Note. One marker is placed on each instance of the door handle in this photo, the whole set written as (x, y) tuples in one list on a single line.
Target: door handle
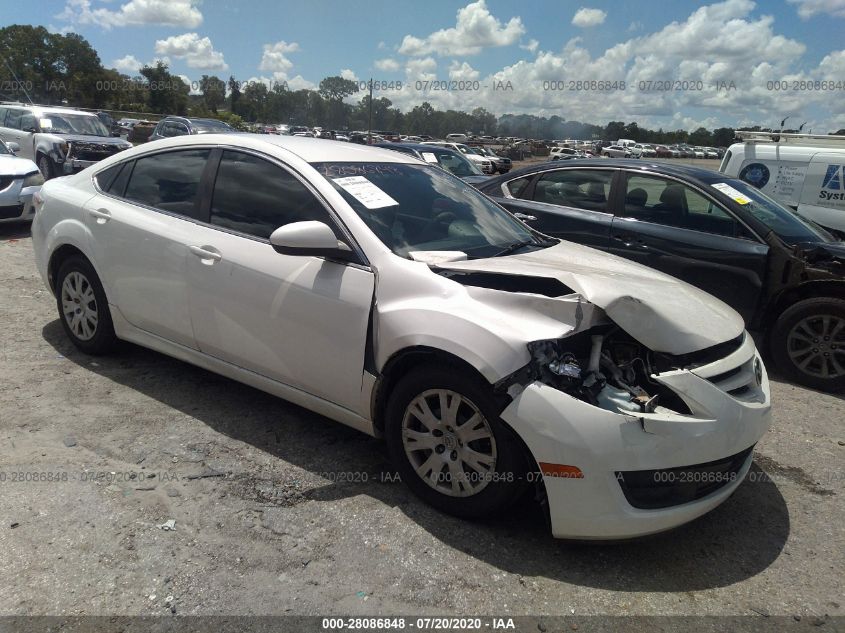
[(102, 215), (524, 217), (631, 241), (205, 253)]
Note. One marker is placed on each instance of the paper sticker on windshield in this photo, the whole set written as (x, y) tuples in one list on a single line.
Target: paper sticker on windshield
[(731, 193), (429, 157), (366, 192)]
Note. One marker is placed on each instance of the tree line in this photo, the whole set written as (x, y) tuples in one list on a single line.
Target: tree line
[(52, 68)]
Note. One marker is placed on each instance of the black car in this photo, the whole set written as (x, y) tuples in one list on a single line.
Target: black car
[(181, 126), (450, 160), (782, 273)]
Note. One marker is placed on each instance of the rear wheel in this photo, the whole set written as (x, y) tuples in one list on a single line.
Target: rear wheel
[(446, 440), (808, 343), (83, 308)]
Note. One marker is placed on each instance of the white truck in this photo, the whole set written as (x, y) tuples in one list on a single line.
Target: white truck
[(803, 171)]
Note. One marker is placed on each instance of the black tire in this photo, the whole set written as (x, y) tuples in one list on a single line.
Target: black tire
[(805, 320), (103, 339), (502, 485), (46, 166)]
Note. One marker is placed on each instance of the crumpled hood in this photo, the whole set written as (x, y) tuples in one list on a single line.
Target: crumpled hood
[(15, 166), (661, 312), (84, 138)]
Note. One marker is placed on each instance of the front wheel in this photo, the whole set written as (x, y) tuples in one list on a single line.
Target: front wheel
[(46, 166), (808, 343), (83, 307), (446, 440)]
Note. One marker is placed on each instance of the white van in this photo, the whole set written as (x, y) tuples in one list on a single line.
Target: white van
[(625, 142), (803, 171), (456, 138)]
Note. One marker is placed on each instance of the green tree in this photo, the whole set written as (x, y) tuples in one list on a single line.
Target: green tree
[(213, 91), (168, 94)]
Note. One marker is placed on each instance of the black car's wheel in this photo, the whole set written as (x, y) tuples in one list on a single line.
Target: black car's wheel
[(83, 307), (808, 343), (46, 166), (446, 440)]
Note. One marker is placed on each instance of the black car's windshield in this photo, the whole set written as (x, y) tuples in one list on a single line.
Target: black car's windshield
[(787, 225), (422, 208), (61, 123)]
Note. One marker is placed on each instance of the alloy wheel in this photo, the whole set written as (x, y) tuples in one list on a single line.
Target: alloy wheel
[(449, 443), (816, 345), (79, 306)]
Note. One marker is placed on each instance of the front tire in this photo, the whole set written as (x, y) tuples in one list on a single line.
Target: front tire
[(46, 166), (83, 307), (808, 343), (446, 440)]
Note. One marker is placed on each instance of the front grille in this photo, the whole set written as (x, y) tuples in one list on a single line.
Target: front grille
[(653, 489), (6, 181), (92, 151), (7, 213)]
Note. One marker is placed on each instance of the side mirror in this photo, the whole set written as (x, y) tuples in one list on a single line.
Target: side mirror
[(31, 129), (309, 238), (13, 147)]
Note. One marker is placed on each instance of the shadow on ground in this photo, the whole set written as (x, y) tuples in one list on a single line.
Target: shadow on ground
[(736, 541)]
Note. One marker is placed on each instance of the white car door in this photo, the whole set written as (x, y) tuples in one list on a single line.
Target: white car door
[(141, 227), (300, 320)]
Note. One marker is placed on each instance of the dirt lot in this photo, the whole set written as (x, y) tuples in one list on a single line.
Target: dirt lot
[(267, 522)]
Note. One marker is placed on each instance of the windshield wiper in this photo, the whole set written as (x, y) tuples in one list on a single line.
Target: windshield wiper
[(510, 248)]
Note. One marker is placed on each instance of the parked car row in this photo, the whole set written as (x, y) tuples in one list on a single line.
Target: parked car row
[(494, 359)]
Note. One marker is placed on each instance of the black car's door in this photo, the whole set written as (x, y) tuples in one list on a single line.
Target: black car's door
[(570, 203), (679, 229)]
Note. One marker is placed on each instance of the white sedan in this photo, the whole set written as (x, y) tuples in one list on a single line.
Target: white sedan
[(387, 294), (616, 151), (19, 180)]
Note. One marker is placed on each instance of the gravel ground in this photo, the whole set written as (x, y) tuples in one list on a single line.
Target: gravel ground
[(267, 523)]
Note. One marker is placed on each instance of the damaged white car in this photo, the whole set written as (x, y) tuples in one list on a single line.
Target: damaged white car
[(387, 294)]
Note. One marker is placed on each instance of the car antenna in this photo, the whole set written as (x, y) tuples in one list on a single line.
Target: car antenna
[(18, 81)]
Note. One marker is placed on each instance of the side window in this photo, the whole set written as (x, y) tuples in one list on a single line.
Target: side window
[(169, 181), (175, 129), (3, 116), (580, 188), (517, 186), (253, 196), (113, 180), (28, 122), (667, 202), (13, 118)]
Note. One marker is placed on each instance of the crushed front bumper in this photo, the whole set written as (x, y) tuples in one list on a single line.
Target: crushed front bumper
[(16, 202), (73, 165), (726, 421)]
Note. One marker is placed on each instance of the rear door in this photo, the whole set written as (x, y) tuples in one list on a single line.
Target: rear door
[(673, 227), (570, 203), (141, 226)]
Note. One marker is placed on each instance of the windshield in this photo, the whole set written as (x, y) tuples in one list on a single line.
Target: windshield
[(207, 127), (4, 149), (787, 225), (62, 123), (454, 163), (421, 208)]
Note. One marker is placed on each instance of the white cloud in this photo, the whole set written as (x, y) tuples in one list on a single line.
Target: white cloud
[(178, 13), (346, 73), (387, 64), (300, 83), (193, 87), (274, 59), (462, 72), (531, 46), (197, 51), (809, 8), (421, 69), (127, 64), (476, 29), (585, 17)]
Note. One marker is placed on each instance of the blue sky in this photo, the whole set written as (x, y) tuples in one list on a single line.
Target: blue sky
[(739, 45)]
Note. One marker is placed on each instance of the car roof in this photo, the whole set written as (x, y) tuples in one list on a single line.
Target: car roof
[(420, 147), (311, 150), (682, 171)]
